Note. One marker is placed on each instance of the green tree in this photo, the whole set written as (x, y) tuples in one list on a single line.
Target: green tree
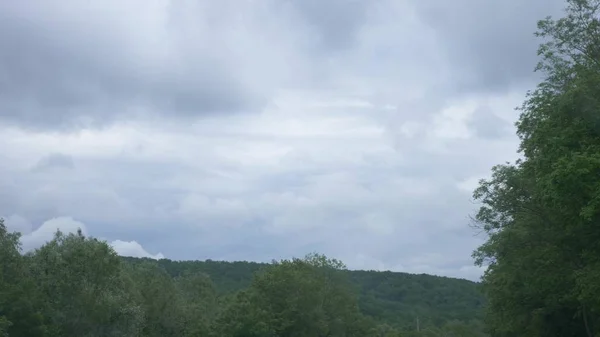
[(298, 297), (245, 316), (4, 326), (461, 329), (200, 301), (541, 213), (20, 309), (78, 286), (84, 289), (160, 300)]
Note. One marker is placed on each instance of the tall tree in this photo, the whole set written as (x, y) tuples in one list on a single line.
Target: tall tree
[(82, 283), (541, 213)]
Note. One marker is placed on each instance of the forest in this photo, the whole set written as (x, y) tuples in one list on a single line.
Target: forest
[(78, 286), (540, 216)]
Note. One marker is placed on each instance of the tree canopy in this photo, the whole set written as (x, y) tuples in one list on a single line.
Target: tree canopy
[(541, 213)]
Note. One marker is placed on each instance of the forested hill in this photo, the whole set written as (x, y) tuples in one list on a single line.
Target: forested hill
[(79, 286), (389, 297)]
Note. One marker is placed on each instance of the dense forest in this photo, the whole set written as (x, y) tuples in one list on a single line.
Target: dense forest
[(394, 298), (540, 215), (78, 286)]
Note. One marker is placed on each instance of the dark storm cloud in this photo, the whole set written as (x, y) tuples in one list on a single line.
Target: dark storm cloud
[(61, 72), (491, 43), (56, 74), (75, 67)]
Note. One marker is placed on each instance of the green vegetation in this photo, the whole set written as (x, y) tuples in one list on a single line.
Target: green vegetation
[(78, 286), (541, 213), (392, 298)]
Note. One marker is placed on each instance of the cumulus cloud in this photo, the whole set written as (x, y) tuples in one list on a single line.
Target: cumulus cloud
[(33, 239), (247, 130), (132, 248)]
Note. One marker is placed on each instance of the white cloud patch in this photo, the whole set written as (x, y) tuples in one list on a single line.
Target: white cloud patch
[(134, 249), (33, 239), (45, 232)]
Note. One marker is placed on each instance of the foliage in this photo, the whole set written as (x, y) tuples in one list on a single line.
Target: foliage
[(78, 286), (300, 297), (387, 297), (20, 308), (82, 284), (541, 213)]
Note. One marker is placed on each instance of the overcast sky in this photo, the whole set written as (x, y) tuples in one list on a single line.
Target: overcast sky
[(261, 129)]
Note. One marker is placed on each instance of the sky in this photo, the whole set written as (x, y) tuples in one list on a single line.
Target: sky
[(262, 129)]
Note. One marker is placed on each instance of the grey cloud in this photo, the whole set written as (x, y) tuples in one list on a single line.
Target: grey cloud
[(479, 154), (336, 23), (59, 72), (8, 193), (327, 211), (85, 67), (486, 124), (17, 223), (54, 161), (490, 43), (218, 191)]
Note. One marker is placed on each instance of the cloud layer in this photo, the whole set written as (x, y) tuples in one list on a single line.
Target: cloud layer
[(262, 129)]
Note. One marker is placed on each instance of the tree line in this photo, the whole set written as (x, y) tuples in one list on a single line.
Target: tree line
[(78, 286)]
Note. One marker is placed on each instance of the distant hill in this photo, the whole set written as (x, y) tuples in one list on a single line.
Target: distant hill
[(397, 299)]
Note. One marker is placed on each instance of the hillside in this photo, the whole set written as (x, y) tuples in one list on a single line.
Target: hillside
[(389, 297), (75, 283)]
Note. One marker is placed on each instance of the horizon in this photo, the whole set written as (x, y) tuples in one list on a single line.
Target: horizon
[(297, 257)]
